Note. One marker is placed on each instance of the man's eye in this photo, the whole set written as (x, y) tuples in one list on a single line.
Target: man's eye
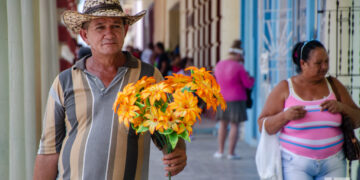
[(100, 27), (117, 26)]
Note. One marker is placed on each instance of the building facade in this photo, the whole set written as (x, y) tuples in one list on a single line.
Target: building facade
[(270, 28)]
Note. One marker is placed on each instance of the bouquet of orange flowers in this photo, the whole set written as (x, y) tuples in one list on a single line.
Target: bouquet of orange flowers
[(168, 109)]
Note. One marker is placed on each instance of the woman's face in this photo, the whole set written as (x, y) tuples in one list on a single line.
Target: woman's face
[(317, 65)]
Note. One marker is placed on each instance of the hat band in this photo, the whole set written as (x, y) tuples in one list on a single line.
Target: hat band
[(103, 7)]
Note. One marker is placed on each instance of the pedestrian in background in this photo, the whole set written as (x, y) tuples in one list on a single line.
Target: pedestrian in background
[(146, 54), (233, 80), (162, 61), (305, 111)]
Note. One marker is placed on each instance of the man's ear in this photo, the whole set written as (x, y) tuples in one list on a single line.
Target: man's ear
[(83, 34)]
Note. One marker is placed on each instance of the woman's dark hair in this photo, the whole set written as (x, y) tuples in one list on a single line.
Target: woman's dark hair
[(302, 50), (236, 44)]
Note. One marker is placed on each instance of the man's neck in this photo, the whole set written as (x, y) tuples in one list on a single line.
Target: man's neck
[(105, 63)]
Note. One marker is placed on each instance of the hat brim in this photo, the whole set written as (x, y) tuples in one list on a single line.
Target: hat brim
[(74, 20)]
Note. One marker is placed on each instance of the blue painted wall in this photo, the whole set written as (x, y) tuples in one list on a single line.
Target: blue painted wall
[(252, 38)]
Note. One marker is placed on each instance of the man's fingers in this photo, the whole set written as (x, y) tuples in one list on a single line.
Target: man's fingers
[(175, 161), (174, 170)]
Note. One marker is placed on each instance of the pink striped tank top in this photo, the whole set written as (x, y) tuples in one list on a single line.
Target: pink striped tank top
[(318, 134)]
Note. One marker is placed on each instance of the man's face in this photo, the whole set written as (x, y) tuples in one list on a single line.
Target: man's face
[(105, 35)]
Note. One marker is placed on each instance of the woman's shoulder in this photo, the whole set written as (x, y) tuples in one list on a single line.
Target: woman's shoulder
[(281, 89)]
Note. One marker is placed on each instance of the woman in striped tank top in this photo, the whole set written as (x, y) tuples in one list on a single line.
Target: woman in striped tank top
[(304, 110)]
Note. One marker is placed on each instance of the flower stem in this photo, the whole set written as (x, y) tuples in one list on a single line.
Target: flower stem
[(169, 150)]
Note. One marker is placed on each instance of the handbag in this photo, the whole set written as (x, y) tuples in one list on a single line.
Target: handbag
[(249, 101), (351, 144), (268, 157)]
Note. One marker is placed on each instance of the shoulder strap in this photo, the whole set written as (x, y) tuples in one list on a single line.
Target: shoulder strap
[(146, 70), (333, 87)]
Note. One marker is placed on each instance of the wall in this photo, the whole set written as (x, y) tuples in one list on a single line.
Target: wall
[(159, 21), (230, 25)]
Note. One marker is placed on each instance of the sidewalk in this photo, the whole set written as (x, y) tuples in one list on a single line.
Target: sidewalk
[(201, 165)]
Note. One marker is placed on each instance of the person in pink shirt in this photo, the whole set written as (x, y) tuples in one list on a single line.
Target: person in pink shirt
[(233, 80), (305, 111)]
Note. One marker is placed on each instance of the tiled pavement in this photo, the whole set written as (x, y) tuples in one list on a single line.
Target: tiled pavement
[(201, 164)]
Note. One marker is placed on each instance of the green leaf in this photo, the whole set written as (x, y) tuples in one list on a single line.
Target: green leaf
[(173, 138), (187, 88), (163, 108), (142, 129), (157, 103), (148, 102), (185, 136), (167, 132), (139, 104), (137, 114)]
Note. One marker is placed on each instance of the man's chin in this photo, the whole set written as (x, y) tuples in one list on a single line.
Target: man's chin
[(111, 51)]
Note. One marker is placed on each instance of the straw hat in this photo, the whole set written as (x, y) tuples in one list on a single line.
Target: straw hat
[(97, 8)]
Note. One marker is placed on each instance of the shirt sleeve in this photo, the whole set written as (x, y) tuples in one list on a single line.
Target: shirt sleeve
[(53, 123), (245, 78)]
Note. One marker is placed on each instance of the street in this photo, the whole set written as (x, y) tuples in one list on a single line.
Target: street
[(202, 166)]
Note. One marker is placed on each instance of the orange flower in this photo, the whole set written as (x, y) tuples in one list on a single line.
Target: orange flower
[(156, 120), (185, 105), (207, 88), (219, 97), (126, 109), (144, 82), (129, 90), (156, 92), (177, 81), (175, 123)]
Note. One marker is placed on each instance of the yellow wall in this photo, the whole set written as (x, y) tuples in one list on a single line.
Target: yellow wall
[(230, 25), (159, 20)]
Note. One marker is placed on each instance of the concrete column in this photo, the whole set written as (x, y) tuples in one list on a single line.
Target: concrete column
[(49, 49), (27, 16), (16, 95), (230, 25), (160, 21), (4, 94)]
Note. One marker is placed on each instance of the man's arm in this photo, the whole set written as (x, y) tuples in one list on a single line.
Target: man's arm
[(176, 161), (46, 166)]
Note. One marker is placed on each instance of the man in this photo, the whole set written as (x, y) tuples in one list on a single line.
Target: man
[(82, 138)]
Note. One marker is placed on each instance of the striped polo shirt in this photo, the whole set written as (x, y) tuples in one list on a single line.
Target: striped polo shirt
[(318, 134), (80, 124)]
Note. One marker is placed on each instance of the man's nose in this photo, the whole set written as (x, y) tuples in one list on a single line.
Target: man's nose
[(109, 31)]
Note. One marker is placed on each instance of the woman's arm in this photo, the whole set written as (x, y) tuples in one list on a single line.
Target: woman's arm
[(246, 79), (273, 110)]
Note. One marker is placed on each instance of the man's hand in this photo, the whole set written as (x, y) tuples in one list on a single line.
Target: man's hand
[(175, 162)]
